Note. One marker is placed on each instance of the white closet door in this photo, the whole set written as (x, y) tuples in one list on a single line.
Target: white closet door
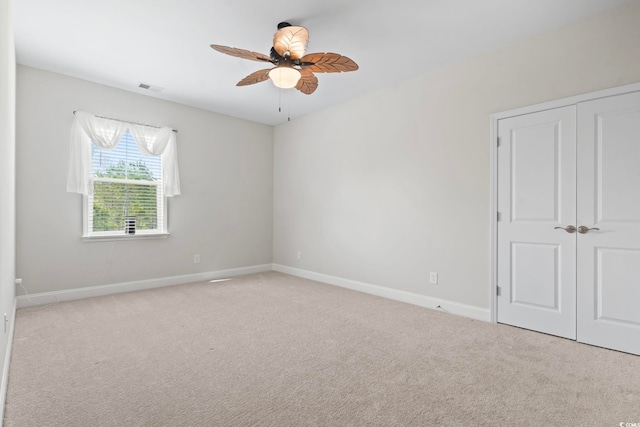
[(536, 196), (609, 199)]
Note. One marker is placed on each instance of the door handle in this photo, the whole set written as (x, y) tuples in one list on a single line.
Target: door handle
[(583, 229), (568, 228)]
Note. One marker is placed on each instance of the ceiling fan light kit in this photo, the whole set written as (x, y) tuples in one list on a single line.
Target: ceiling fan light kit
[(284, 77), (293, 68)]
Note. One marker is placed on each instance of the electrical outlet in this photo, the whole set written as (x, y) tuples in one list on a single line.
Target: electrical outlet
[(196, 259), (299, 255), (433, 278)]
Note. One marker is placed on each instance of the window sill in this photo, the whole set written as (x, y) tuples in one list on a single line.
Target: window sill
[(118, 237)]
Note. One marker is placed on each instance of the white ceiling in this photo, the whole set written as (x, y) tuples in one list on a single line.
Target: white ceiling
[(165, 43)]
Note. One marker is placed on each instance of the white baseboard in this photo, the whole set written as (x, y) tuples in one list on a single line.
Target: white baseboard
[(394, 294), (32, 300), (7, 362)]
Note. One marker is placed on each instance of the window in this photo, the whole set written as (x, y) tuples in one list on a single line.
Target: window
[(128, 192), (125, 172)]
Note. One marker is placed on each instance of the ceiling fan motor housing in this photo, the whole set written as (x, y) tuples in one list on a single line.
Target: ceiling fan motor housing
[(290, 41)]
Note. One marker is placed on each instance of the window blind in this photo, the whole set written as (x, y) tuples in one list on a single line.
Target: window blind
[(128, 193)]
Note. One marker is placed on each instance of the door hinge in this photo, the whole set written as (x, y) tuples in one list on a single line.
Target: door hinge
[(498, 142), (498, 216), (499, 291)]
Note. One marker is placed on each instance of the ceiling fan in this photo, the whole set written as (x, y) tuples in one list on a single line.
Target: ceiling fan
[(292, 67)]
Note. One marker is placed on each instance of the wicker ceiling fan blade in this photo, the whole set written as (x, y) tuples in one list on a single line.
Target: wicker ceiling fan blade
[(241, 53), (308, 83), (255, 77), (328, 63)]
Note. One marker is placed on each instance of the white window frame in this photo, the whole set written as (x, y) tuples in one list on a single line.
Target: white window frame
[(158, 233)]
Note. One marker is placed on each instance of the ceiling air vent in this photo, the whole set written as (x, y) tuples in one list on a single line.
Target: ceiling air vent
[(150, 87)]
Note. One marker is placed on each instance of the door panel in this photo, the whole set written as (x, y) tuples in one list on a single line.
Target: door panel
[(616, 301), (536, 192), (534, 173), (608, 294), (532, 264), (617, 155)]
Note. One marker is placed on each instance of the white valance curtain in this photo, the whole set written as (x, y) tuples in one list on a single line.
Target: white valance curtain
[(106, 134)]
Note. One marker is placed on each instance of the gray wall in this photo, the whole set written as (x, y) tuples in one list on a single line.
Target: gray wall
[(389, 187), (382, 189), (225, 212), (7, 171)]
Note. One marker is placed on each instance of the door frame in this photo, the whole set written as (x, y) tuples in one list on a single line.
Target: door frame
[(493, 167)]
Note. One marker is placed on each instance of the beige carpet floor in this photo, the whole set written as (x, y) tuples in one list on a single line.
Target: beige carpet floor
[(275, 350)]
